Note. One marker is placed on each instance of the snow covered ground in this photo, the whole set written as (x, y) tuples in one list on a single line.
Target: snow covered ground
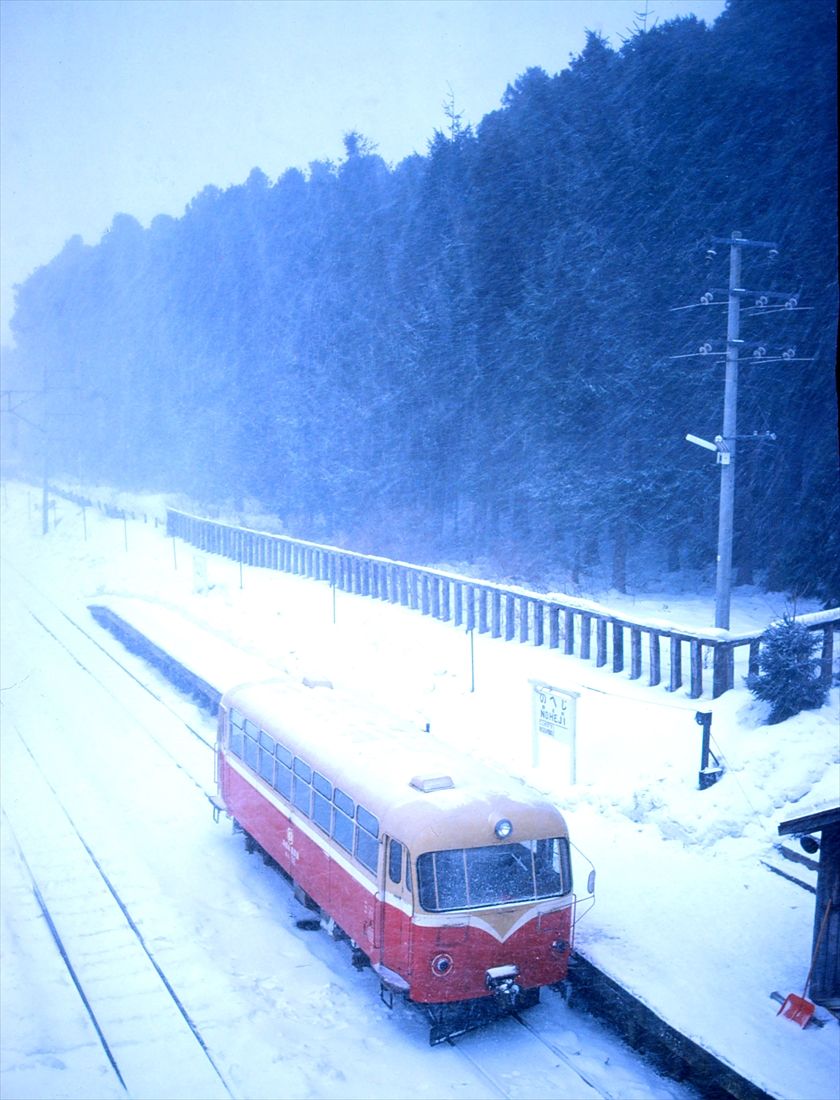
[(686, 914)]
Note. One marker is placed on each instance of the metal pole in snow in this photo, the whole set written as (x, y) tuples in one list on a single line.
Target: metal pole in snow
[(723, 587)]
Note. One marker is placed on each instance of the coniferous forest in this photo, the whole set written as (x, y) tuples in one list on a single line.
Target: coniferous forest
[(478, 355)]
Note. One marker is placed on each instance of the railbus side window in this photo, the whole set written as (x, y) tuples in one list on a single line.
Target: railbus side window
[(552, 866), (252, 735), (266, 757), (395, 853), (367, 838), (301, 789), (236, 736), (322, 801), (283, 771), (342, 829)]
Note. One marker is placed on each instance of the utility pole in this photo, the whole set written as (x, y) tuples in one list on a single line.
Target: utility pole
[(724, 445), (21, 398), (723, 582)]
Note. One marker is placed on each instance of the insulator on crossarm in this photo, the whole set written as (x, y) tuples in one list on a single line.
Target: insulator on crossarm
[(707, 298), (791, 303), (759, 353), (762, 300), (705, 349)]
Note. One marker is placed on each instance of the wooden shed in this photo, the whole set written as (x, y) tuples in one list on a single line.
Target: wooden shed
[(823, 827)]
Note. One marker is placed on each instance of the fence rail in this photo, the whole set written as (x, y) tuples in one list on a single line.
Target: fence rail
[(664, 652)]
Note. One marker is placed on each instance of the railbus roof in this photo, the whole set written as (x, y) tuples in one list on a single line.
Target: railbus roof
[(424, 792)]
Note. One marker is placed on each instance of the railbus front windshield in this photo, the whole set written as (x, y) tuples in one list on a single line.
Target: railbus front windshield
[(499, 874)]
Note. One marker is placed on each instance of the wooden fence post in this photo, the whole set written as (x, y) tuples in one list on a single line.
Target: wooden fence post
[(675, 680), (654, 658), (827, 655), (482, 611), (569, 631), (510, 617), (723, 670), (600, 642), (539, 622), (696, 678), (618, 647), (496, 614), (585, 636), (635, 653), (553, 626), (524, 613), (469, 592)]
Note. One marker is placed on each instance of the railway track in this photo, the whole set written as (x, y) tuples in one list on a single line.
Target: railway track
[(145, 685), (106, 955), (507, 1068), (511, 1067)]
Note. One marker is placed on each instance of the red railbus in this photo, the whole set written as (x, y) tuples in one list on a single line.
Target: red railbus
[(452, 880)]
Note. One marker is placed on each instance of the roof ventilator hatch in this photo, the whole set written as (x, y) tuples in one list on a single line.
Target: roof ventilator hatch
[(429, 783)]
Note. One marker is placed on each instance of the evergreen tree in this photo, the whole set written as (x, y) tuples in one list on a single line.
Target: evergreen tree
[(789, 671), (470, 355)]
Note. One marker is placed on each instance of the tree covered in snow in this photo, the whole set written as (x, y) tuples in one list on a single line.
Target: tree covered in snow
[(789, 671), (470, 355)]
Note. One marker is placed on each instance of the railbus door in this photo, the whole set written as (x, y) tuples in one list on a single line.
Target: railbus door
[(394, 907)]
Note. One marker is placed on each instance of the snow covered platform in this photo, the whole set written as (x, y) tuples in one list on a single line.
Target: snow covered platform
[(687, 940)]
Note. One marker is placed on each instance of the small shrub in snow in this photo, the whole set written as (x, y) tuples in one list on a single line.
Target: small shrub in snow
[(789, 671)]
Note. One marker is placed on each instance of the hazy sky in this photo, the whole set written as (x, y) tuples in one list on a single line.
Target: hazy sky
[(133, 106)]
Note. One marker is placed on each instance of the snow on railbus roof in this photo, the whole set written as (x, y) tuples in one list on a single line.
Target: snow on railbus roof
[(339, 730)]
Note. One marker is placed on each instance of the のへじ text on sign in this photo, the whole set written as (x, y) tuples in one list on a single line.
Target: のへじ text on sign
[(553, 712)]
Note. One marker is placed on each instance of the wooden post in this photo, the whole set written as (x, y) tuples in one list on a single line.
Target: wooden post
[(585, 636), (723, 672), (510, 617), (524, 612), (569, 631), (496, 614), (424, 594), (539, 622), (618, 647), (675, 680), (553, 626), (654, 657), (827, 655), (696, 677), (600, 642), (635, 653)]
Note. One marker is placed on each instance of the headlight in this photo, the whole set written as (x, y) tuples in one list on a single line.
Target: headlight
[(503, 829), (442, 964)]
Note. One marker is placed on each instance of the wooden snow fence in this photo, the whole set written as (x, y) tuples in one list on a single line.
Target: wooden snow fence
[(663, 652)]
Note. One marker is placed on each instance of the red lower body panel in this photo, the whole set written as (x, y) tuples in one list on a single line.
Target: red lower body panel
[(386, 933)]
